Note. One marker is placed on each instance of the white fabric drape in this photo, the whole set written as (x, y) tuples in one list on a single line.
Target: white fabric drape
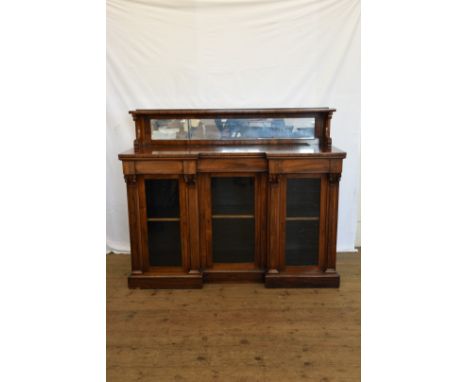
[(232, 54)]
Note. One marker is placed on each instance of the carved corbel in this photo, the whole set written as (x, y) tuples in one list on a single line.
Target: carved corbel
[(334, 177), (130, 179), (273, 178), (190, 179)]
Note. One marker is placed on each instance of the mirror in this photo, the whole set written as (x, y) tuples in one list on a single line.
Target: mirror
[(233, 128)]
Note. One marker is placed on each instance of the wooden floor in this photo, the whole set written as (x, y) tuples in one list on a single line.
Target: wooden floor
[(233, 332)]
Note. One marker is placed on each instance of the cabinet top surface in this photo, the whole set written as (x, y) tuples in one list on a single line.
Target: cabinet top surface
[(193, 112), (306, 149)]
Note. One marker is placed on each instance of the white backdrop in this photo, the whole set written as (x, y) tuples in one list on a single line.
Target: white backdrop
[(232, 54)]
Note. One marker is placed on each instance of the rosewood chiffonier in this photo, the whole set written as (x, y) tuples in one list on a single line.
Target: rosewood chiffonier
[(233, 195)]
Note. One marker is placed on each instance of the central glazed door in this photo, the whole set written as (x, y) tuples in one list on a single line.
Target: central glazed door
[(233, 221)]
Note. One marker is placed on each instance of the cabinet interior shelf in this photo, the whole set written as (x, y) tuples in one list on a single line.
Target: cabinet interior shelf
[(163, 219), (302, 218), (230, 216)]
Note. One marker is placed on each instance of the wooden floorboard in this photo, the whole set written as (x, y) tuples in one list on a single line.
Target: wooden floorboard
[(233, 332)]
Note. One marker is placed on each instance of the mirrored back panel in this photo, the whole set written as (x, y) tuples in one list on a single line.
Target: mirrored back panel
[(233, 128)]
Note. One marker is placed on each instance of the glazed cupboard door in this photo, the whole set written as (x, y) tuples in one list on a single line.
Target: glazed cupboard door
[(232, 219), (302, 222), (164, 223)]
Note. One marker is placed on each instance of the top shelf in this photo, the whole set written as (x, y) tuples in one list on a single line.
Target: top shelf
[(211, 113)]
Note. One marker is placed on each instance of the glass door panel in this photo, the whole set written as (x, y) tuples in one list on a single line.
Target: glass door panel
[(233, 240), (232, 196), (303, 197), (233, 219), (163, 220), (302, 221)]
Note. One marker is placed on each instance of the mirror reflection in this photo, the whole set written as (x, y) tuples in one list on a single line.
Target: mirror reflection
[(169, 129), (233, 128)]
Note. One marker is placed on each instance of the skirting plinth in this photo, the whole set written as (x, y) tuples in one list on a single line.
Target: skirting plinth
[(310, 280), (271, 280), (184, 281)]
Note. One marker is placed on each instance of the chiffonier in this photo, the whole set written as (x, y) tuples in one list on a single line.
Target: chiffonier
[(233, 195)]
